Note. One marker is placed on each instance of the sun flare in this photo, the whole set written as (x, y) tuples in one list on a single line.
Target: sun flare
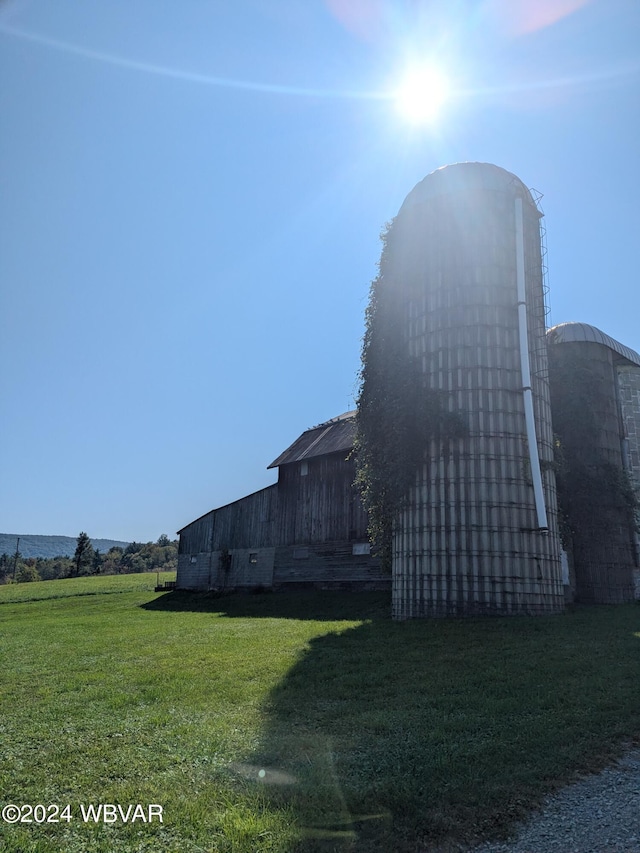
[(422, 94)]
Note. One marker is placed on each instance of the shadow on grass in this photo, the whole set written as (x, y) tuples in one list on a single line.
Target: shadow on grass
[(329, 606), (405, 736)]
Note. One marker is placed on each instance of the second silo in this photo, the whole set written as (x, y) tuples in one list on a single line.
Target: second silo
[(595, 391), (478, 529)]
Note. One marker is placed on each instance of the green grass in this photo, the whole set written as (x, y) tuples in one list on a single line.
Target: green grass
[(296, 722), (89, 585)]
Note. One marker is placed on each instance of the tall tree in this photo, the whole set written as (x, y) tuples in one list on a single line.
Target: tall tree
[(83, 557), (96, 562), (27, 574)]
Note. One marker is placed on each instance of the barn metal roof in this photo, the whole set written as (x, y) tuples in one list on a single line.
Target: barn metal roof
[(571, 332), (333, 436)]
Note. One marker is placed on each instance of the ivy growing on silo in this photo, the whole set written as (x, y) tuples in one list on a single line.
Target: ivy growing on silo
[(397, 414), (588, 484)]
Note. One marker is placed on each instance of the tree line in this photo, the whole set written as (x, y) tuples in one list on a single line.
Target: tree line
[(87, 560)]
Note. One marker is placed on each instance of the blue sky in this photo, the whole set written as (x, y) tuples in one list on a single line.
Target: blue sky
[(191, 200)]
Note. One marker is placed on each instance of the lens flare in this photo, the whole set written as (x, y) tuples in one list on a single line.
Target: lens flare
[(422, 95)]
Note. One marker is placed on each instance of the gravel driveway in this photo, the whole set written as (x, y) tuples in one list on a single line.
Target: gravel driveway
[(599, 814)]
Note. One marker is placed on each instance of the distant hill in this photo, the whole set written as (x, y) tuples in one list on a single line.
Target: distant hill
[(50, 546)]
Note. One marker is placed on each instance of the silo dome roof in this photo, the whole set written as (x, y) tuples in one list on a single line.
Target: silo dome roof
[(462, 177), (570, 332)]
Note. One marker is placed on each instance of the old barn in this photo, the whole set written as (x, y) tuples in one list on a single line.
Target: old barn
[(460, 299), (309, 528)]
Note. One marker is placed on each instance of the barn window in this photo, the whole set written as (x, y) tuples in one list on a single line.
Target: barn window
[(360, 548), (300, 553), (193, 560), (304, 469), (253, 557)]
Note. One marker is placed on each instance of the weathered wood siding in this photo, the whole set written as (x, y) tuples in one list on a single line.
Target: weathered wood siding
[(242, 527), (196, 537), (246, 523), (328, 563), (321, 505), (321, 518), (248, 568), (313, 511)]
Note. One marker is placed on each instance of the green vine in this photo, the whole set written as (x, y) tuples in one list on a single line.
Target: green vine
[(397, 414), (588, 484)]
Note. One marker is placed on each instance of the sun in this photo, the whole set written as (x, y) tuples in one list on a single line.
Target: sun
[(422, 94)]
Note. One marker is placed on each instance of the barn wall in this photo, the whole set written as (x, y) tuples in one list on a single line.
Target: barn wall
[(265, 532), (243, 527), (321, 506), (194, 571), (247, 568), (327, 564), (247, 523), (320, 519), (194, 554), (196, 537)]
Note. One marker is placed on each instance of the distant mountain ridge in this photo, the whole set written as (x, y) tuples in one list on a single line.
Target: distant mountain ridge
[(50, 546)]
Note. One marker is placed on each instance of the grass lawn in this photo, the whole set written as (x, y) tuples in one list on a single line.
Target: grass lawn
[(295, 722)]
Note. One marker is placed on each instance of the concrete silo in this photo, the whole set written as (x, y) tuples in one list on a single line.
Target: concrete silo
[(478, 531), (595, 392)]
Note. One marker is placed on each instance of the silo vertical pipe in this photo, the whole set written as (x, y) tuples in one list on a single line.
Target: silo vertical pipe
[(532, 440)]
